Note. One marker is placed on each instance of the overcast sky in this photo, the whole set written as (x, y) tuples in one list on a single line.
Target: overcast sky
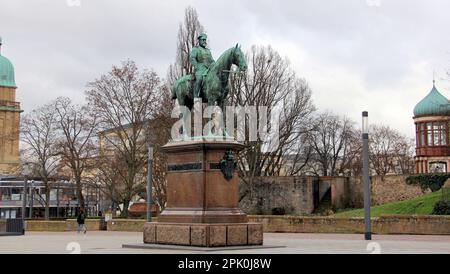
[(374, 55)]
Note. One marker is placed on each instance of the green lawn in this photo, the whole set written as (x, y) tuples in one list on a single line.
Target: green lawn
[(422, 205)]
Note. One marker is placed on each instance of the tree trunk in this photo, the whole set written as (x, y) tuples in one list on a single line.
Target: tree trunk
[(47, 203), (80, 197), (124, 212)]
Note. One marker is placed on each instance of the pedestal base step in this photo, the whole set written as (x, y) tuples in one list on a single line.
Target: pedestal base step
[(201, 248), (205, 235)]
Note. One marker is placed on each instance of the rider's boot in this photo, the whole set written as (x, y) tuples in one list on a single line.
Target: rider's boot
[(197, 88)]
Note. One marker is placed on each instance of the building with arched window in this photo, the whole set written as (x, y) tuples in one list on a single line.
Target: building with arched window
[(432, 118)]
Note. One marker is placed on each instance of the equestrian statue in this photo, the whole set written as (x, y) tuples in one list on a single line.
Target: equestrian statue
[(210, 82)]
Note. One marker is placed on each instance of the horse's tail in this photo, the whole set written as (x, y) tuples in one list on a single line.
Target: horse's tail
[(173, 90)]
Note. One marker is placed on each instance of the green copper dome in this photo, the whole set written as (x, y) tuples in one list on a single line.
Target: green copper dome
[(433, 104), (6, 71)]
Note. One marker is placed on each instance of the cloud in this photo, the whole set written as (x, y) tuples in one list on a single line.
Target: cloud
[(355, 56)]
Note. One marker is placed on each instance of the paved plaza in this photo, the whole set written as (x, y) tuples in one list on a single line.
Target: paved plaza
[(103, 242)]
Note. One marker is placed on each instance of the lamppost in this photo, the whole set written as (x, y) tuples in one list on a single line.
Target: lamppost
[(31, 199), (149, 182), (366, 178), (24, 202), (57, 202), (26, 174)]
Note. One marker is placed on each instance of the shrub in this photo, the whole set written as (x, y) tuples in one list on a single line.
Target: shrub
[(441, 208), (434, 181)]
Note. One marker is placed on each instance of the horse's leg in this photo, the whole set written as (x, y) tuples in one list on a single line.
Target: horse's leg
[(210, 116), (185, 118), (198, 116), (221, 118), (207, 131), (210, 103)]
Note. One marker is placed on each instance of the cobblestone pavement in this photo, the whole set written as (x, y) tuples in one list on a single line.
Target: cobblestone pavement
[(111, 242)]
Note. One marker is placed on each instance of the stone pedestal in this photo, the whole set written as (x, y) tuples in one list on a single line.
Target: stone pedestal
[(202, 198), (205, 235)]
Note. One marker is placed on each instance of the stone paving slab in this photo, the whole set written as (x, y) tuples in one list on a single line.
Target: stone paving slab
[(107, 242)]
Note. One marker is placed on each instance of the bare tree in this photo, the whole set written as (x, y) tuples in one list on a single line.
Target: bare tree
[(330, 141), (39, 133), (405, 155), (351, 164), (188, 32), (77, 145), (382, 142), (125, 99), (390, 151), (160, 134), (109, 170), (270, 82), (297, 159)]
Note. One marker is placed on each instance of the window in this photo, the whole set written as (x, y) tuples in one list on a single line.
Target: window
[(439, 134), (432, 134), (429, 134), (422, 135)]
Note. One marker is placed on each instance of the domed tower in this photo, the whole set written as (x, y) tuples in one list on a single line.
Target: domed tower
[(432, 117), (9, 118)]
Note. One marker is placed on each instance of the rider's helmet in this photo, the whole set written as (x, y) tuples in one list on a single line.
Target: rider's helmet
[(202, 35)]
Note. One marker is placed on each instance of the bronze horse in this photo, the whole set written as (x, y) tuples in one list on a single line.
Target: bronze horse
[(215, 86)]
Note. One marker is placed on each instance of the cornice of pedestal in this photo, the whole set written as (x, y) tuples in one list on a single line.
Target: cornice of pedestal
[(202, 145)]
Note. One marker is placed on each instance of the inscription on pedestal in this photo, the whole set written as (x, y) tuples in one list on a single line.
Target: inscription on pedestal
[(184, 167)]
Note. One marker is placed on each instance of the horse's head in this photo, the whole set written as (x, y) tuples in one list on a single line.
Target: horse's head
[(239, 58)]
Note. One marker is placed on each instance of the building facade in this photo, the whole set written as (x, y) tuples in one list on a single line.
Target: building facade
[(432, 121), (62, 203), (9, 118)]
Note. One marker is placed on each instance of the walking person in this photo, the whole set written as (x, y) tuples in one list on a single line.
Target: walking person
[(80, 221)]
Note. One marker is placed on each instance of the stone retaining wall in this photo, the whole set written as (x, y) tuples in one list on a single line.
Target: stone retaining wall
[(391, 224), (292, 194), (300, 195), (2, 225), (67, 225), (54, 226), (127, 225), (384, 189), (91, 224)]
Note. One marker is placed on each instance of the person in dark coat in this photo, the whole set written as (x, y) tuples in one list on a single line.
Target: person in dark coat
[(80, 221)]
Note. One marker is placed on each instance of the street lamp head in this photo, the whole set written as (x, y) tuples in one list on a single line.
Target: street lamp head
[(365, 122)]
